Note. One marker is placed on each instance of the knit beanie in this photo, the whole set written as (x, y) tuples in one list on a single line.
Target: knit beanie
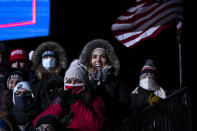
[(148, 68), (22, 84), (15, 74), (76, 70), (48, 53), (49, 119)]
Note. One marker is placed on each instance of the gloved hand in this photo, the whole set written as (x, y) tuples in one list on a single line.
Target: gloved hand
[(95, 75), (68, 98), (71, 97), (106, 73), (153, 99)]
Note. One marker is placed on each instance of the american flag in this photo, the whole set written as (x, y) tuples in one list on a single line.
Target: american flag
[(146, 19)]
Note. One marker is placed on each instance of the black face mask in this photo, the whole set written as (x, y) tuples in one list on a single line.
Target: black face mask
[(23, 101), (52, 92)]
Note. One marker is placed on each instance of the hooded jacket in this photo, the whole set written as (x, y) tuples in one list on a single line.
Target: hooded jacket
[(111, 55), (60, 56), (113, 91)]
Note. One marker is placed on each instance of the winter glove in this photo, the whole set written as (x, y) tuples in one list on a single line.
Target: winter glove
[(153, 99), (106, 73), (68, 98), (95, 75), (71, 98)]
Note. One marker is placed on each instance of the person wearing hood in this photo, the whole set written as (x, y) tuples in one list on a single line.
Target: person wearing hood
[(76, 106), (148, 92), (49, 59), (103, 68), (25, 106)]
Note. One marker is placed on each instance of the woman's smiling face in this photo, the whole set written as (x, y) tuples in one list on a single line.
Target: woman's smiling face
[(99, 59)]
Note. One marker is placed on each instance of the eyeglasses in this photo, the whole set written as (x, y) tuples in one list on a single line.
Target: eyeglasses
[(40, 128)]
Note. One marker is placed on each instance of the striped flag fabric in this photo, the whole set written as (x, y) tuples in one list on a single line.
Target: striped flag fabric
[(145, 20)]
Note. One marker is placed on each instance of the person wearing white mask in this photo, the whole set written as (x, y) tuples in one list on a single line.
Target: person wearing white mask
[(49, 59), (148, 91)]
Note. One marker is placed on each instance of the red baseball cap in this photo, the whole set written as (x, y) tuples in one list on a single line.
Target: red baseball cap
[(18, 54)]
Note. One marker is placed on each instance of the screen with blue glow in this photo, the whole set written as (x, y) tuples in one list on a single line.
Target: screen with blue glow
[(24, 19)]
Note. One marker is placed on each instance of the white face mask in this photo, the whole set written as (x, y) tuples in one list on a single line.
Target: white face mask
[(148, 84), (48, 63)]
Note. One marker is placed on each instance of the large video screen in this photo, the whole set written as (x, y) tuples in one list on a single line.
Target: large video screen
[(24, 19)]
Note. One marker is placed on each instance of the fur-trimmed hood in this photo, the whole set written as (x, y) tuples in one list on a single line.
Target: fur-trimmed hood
[(49, 45), (113, 60)]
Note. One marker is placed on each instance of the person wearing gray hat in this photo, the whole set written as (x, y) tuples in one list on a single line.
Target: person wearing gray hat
[(76, 106)]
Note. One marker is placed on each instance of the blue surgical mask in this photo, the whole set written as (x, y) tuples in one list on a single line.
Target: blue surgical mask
[(48, 63), (23, 101)]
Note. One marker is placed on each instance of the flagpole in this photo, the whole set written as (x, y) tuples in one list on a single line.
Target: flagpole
[(180, 66), (178, 38)]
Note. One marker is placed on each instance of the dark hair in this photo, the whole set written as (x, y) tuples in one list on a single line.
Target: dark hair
[(49, 119)]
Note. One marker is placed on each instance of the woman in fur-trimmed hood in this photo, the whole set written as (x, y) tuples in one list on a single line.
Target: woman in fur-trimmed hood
[(103, 67), (112, 59), (43, 68)]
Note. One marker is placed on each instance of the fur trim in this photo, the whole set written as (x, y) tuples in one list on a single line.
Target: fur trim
[(90, 46), (49, 45), (37, 58)]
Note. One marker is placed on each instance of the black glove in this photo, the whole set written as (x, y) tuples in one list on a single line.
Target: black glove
[(71, 98), (106, 73), (68, 98)]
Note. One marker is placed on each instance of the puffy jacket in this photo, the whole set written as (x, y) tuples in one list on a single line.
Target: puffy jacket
[(86, 118)]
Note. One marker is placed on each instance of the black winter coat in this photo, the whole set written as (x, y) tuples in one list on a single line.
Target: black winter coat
[(116, 97)]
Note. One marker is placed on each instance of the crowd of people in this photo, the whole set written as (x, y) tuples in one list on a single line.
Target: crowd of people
[(41, 91)]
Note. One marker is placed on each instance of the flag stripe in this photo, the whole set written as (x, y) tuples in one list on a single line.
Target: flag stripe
[(147, 10), (146, 33), (123, 33), (145, 20), (138, 21)]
